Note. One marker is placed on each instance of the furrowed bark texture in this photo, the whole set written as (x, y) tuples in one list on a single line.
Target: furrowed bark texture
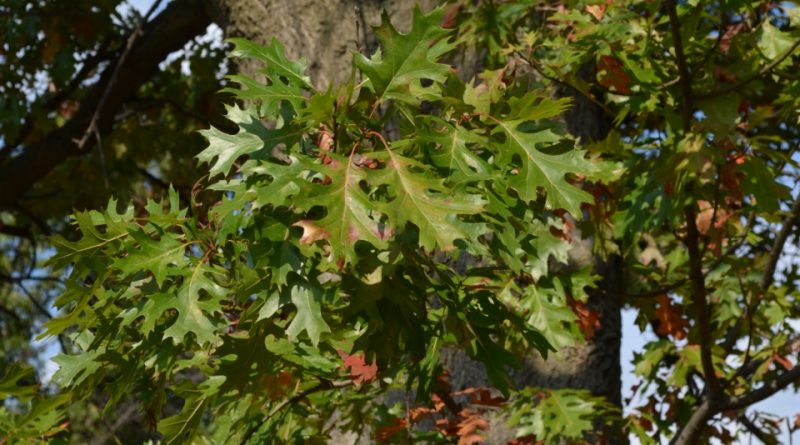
[(325, 34)]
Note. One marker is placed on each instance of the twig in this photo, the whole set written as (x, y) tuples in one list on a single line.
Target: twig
[(659, 291), (35, 302), (562, 82), (103, 168), (11, 279), (92, 128), (777, 246), (323, 385), (763, 72), (769, 270), (89, 64), (17, 231), (755, 430)]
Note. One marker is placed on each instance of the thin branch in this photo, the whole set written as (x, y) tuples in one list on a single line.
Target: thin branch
[(691, 430), (93, 129), (562, 82), (658, 291), (763, 72), (702, 312), (323, 385), (769, 270), (755, 430), (89, 64), (43, 227), (777, 246), (10, 313), (179, 22), (11, 279), (39, 307), (731, 250)]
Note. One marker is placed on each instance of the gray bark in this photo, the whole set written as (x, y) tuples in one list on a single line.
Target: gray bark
[(326, 33)]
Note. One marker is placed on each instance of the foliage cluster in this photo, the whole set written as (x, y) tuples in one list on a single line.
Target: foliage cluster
[(362, 230)]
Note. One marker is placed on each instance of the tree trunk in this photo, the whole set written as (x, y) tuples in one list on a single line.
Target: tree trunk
[(326, 33), (594, 365)]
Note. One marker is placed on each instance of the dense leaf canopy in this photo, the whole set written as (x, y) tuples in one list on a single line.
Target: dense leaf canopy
[(345, 238)]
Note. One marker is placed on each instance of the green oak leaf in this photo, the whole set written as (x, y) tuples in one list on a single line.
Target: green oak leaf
[(307, 298), (153, 255), (546, 245), (448, 150), (396, 72), (773, 42), (350, 215), (73, 369), (545, 310), (92, 241), (270, 96), (224, 149), (420, 198), (558, 415), (193, 308), (274, 58), (539, 169)]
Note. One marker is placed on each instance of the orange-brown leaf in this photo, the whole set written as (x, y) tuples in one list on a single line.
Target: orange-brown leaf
[(469, 426), (670, 319), (597, 11), (612, 76), (783, 361), (360, 371), (385, 432), (311, 232)]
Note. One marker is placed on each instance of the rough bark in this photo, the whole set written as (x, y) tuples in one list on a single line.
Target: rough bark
[(326, 33)]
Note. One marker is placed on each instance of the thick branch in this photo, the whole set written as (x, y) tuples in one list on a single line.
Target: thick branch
[(683, 68), (757, 395), (690, 432), (177, 24), (20, 232), (702, 313)]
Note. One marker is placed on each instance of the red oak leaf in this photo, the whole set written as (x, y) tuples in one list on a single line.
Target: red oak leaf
[(670, 320), (612, 76), (360, 371)]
